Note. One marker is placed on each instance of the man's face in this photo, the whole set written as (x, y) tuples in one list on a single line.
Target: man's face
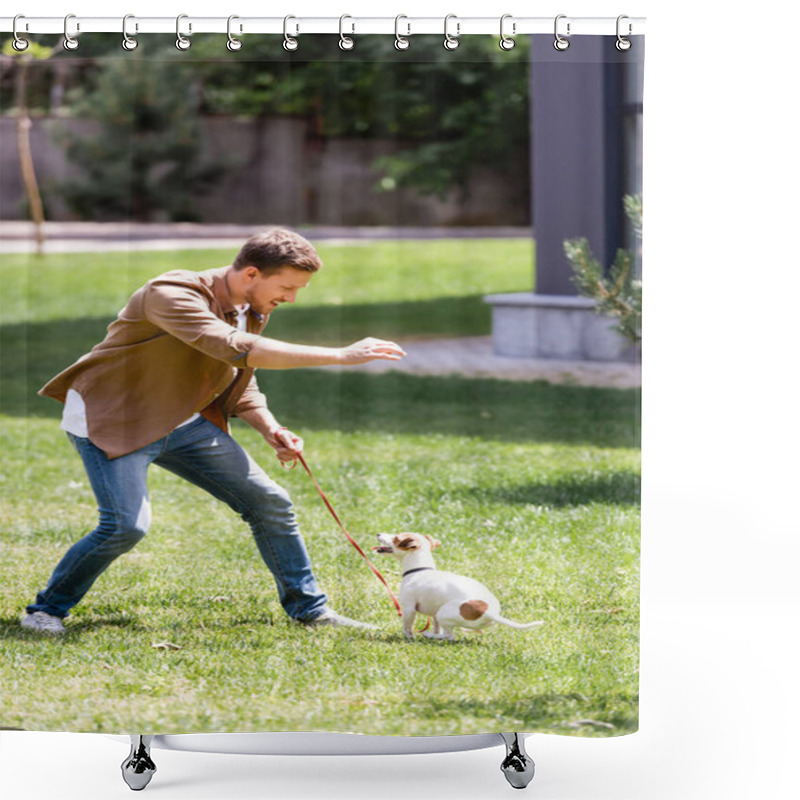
[(266, 293)]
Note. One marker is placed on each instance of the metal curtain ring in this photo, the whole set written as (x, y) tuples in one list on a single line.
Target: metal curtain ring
[(561, 43), (451, 42), (182, 43), (70, 42), (622, 43), (128, 42), (290, 43), (234, 44), (506, 42), (19, 44), (346, 42), (400, 42)]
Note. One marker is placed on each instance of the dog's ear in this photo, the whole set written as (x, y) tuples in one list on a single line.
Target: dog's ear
[(434, 542), (405, 543)]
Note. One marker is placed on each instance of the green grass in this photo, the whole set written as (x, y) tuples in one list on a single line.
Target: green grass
[(532, 488), (409, 288), (55, 308)]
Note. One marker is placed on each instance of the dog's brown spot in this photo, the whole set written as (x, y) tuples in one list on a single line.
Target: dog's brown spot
[(473, 609), (407, 543)]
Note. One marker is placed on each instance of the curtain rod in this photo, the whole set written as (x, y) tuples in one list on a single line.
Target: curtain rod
[(402, 25)]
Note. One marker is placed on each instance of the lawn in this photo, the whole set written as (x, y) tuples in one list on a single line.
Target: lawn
[(532, 488)]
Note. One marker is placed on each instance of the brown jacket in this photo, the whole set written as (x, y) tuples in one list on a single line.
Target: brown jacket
[(173, 350)]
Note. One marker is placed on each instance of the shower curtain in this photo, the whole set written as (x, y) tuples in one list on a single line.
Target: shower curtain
[(427, 180)]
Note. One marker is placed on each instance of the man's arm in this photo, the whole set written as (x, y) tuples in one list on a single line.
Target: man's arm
[(183, 312), (274, 354)]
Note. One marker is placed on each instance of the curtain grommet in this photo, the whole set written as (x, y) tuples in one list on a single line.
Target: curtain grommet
[(181, 42), (70, 42), (19, 44), (346, 43), (560, 43), (289, 42), (233, 44), (129, 42), (622, 44), (401, 42), (451, 42), (506, 42)]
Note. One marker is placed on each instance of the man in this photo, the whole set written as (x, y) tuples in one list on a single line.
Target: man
[(174, 366)]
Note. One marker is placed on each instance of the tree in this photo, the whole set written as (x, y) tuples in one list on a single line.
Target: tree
[(33, 52), (142, 157), (451, 111), (617, 290)]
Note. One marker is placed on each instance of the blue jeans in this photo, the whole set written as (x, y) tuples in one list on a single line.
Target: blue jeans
[(209, 458)]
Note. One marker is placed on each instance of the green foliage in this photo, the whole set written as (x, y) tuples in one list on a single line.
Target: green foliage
[(480, 118), (618, 291), (451, 112), (138, 160), (34, 51), (632, 203)]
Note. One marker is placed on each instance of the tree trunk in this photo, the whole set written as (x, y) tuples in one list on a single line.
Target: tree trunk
[(26, 156)]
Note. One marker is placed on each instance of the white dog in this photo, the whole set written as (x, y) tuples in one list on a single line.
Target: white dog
[(452, 601)]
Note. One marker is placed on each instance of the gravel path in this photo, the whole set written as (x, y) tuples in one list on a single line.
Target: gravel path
[(474, 357)]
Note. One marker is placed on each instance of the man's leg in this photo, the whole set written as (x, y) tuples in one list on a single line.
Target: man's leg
[(120, 487), (211, 459)]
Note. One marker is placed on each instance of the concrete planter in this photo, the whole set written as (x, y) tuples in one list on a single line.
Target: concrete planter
[(528, 325)]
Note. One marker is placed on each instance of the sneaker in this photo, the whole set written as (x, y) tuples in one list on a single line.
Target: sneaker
[(41, 622), (330, 617)]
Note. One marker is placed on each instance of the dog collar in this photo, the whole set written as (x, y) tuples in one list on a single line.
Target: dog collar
[(418, 569)]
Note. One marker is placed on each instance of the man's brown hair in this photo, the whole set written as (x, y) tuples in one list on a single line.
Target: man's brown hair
[(276, 248)]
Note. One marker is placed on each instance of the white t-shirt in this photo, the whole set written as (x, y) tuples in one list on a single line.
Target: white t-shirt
[(73, 420)]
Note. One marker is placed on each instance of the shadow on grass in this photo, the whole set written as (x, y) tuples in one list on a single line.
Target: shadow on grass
[(11, 629), (462, 640), (33, 352), (336, 325), (399, 403), (348, 401), (620, 488), (538, 712)]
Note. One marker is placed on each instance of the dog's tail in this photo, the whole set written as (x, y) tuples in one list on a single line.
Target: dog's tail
[(519, 626)]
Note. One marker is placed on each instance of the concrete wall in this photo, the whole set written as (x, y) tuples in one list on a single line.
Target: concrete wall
[(50, 164), (275, 174)]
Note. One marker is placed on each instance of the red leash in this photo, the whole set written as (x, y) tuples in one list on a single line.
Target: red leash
[(349, 537)]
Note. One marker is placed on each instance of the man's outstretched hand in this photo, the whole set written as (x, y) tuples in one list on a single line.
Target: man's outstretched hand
[(370, 350)]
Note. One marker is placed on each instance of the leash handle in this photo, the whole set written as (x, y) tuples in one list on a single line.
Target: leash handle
[(349, 537)]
